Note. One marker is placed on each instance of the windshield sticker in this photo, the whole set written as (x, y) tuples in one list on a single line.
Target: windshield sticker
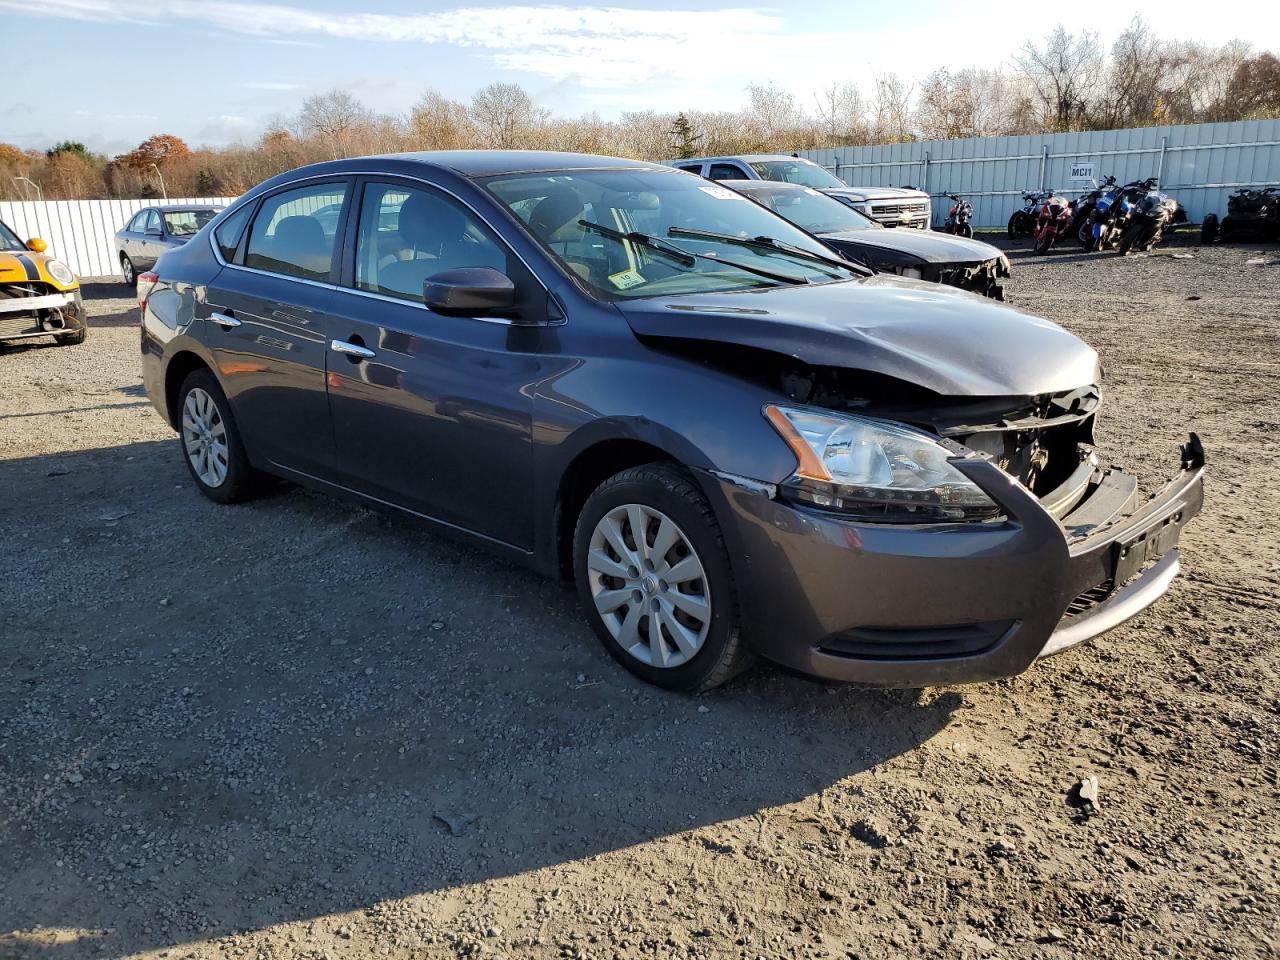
[(722, 193), (626, 279)]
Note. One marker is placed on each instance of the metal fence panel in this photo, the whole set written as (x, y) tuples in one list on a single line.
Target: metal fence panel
[(1199, 164), (82, 232)]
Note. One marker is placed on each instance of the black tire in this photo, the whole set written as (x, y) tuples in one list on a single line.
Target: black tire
[(1018, 225), (965, 231), (128, 270), (669, 489), (1043, 244), (1134, 236), (242, 481), (75, 339), (1209, 229)]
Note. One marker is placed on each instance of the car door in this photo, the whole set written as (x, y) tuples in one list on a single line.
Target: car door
[(433, 413), (150, 242), (266, 325)]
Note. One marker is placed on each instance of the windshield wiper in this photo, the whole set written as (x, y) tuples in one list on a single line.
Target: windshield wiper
[(680, 255), (769, 243)]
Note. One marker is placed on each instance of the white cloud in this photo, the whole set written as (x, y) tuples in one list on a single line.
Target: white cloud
[(270, 85)]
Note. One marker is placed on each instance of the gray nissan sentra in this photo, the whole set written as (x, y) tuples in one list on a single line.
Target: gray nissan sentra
[(734, 441)]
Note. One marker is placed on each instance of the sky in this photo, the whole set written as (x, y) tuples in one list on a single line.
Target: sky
[(110, 73)]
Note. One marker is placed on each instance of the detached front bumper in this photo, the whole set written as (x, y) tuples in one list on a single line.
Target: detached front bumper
[(897, 605)]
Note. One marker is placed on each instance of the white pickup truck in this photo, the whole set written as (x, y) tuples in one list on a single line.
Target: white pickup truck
[(888, 206)]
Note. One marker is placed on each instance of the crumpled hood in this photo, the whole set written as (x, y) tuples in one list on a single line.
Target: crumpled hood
[(925, 244), (945, 340), (859, 194)]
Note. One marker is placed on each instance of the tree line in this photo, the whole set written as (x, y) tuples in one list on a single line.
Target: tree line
[(1063, 82)]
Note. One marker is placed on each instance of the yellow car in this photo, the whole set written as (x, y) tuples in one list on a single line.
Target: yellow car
[(39, 295)]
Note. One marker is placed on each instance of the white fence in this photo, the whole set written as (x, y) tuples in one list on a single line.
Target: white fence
[(82, 232), (1200, 164)]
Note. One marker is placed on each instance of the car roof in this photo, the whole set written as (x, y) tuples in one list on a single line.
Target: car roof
[(485, 163), (183, 207), (749, 157)]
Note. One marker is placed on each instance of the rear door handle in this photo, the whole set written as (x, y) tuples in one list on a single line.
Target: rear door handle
[(352, 350), (223, 320)]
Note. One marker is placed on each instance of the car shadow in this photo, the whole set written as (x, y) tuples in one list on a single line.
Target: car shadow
[(219, 719)]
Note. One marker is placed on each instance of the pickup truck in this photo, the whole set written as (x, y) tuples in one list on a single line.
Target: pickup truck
[(887, 206)]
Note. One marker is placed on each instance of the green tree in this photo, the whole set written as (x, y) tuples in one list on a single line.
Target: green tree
[(684, 142), (72, 147)]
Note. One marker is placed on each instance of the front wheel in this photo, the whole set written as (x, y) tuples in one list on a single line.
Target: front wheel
[(75, 339), (1133, 236), (653, 575), (965, 230), (1044, 242), (211, 444)]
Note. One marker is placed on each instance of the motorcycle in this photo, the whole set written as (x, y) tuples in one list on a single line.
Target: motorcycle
[(958, 217), (1053, 222), (1111, 215), (1152, 214), (1080, 226), (1023, 222)]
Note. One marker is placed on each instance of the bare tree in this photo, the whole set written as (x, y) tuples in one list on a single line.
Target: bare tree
[(1064, 73), (891, 110), (333, 118), (505, 115), (438, 123), (841, 115), (773, 113)]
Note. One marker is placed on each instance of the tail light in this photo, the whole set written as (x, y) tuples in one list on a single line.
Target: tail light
[(146, 282)]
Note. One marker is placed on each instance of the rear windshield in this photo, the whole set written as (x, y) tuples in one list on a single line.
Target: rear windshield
[(9, 240), (187, 223)]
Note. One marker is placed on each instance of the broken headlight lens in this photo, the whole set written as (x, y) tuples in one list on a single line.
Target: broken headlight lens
[(875, 470)]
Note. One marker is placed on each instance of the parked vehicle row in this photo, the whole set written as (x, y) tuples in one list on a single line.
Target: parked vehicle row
[(1251, 214), (733, 439), (153, 231)]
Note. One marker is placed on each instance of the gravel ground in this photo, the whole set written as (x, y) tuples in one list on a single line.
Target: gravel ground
[(295, 728)]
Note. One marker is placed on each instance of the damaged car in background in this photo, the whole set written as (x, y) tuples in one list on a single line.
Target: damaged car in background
[(39, 295), (919, 254), (732, 439)]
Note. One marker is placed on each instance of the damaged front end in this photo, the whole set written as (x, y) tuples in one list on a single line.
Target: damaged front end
[(1045, 549), (981, 278)]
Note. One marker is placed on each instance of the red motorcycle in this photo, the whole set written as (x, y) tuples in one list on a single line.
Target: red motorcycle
[(1054, 222)]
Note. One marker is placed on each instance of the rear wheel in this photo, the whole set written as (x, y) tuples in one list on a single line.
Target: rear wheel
[(127, 271), (653, 576), (1209, 229), (211, 444)]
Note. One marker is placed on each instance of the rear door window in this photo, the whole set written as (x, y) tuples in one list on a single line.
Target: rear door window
[(294, 232), (725, 171)]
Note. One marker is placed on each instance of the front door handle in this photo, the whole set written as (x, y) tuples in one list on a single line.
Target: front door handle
[(352, 350), (223, 320)]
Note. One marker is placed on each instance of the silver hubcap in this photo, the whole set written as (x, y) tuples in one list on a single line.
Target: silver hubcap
[(649, 586), (128, 270), (204, 436)]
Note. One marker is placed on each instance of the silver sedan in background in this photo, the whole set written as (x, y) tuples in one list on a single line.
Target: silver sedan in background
[(154, 230)]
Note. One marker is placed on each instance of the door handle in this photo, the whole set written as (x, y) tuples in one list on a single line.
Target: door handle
[(223, 320), (351, 350)]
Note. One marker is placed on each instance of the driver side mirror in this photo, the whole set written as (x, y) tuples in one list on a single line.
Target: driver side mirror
[(469, 291), (36, 245)]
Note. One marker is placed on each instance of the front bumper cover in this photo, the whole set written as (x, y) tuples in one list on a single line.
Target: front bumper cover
[(895, 605)]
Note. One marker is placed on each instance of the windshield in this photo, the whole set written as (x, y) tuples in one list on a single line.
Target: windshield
[(658, 204), (187, 223), (797, 171), (809, 209), (9, 240)]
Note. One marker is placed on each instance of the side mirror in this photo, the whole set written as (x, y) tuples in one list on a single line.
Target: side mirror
[(469, 291), (36, 245)]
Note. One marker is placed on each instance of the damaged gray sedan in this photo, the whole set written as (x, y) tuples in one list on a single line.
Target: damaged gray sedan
[(918, 254), (734, 441)]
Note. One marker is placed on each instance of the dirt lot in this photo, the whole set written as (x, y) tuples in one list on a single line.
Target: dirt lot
[(299, 729)]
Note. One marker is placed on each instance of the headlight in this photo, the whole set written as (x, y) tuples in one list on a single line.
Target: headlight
[(60, 272), (912, 272), (874, 469)]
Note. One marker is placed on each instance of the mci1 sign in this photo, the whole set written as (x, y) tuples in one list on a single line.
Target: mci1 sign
[(1081, 170)]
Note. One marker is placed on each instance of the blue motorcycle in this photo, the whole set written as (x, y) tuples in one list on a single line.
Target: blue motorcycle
[(1112, 212)]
